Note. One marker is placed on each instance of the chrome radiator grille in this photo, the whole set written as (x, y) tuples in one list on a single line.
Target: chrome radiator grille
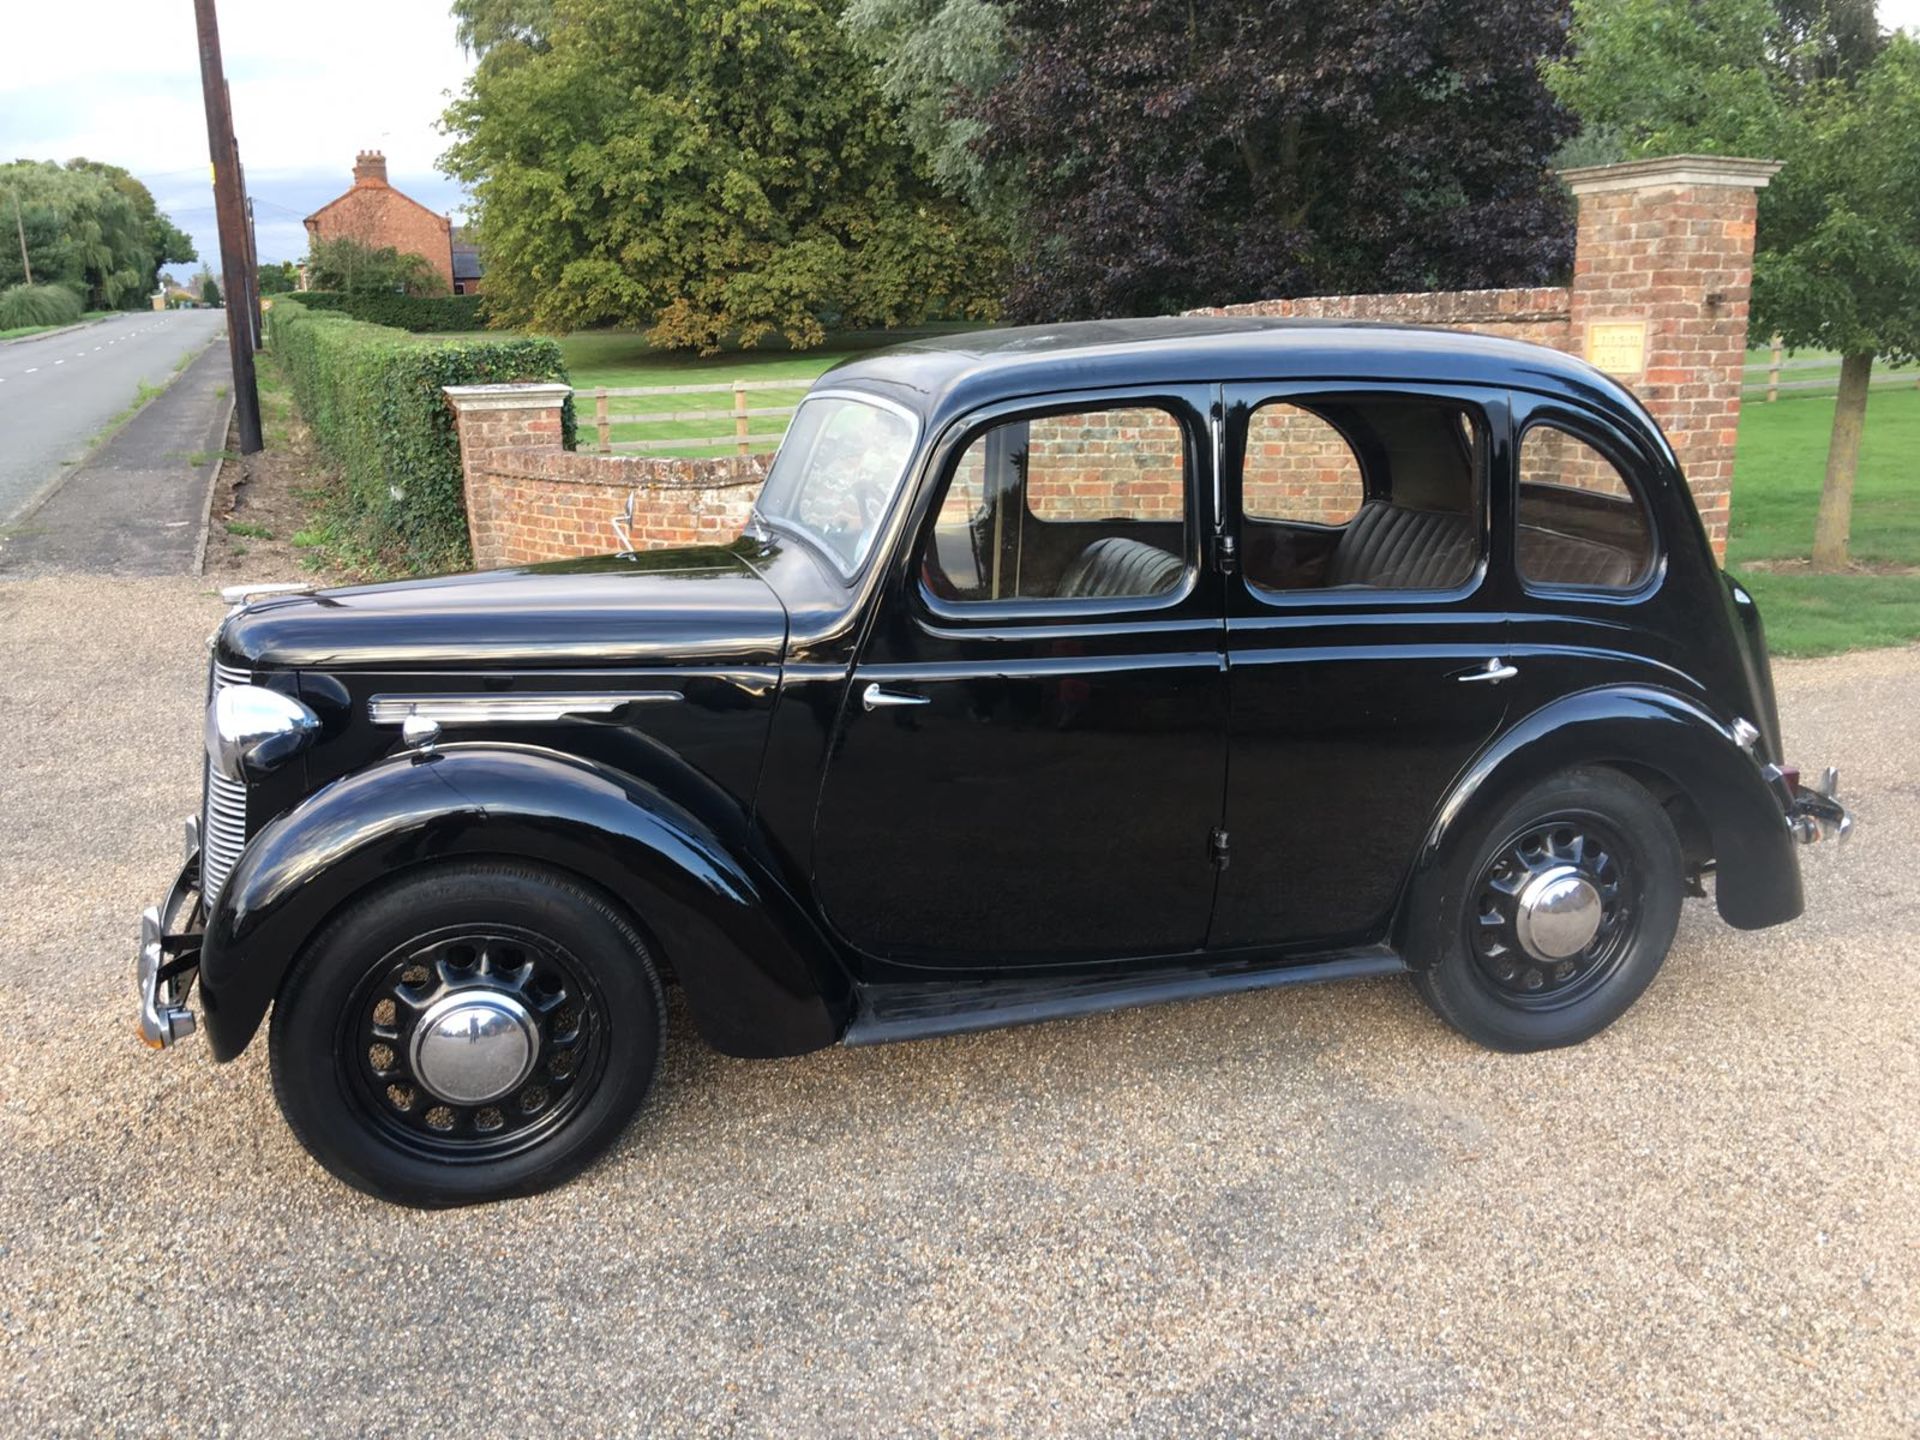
[(223, 823)]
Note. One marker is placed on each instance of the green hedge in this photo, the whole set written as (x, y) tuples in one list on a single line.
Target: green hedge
[(372, 396), (421, 314)]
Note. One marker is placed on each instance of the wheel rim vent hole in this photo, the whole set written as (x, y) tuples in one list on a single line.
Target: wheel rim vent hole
[(414, 975), (380, 1057), (401, 1097), (440, 1117), (385, 1013)]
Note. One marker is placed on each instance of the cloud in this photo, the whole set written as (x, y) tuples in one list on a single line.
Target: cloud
[(310, 88)]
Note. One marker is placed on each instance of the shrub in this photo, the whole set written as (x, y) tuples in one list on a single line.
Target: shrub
[(26, 305), (372, 397), (418, 313)]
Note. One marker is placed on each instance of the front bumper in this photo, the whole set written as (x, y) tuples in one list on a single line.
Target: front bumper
[(1814, 812), (165, 967)]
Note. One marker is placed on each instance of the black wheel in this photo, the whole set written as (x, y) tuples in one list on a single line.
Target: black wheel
[(467, 1034), (1559, 917)]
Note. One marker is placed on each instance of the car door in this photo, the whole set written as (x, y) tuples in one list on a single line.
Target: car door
[(1365, 644), (1030, 763)]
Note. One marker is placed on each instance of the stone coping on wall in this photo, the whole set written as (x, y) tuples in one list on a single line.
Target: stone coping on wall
[(1671, 170), (506, 395), (625, 472), (1546, 304)]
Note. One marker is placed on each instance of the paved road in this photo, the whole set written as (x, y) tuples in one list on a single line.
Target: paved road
[(1309, 1212), (57, 392)]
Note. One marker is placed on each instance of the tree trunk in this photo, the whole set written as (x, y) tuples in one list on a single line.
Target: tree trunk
[(1835, 522)]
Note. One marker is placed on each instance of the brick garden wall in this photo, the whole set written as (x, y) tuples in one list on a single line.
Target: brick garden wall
[(555, 504), (1663, 258)]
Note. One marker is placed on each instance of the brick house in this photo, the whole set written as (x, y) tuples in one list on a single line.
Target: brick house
[(469, 271), (374, 213)]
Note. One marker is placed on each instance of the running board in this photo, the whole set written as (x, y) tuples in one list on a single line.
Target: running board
[(918, 1011)]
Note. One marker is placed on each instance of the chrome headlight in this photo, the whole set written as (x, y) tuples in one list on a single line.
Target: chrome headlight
[(251, 730)]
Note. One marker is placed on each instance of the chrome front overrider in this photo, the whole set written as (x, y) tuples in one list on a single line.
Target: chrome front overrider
[(161, 979)]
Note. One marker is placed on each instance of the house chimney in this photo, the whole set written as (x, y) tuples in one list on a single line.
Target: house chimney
[(370, 168)]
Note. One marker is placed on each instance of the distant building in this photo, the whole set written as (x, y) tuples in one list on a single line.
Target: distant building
[(374, 213), (468, 271)]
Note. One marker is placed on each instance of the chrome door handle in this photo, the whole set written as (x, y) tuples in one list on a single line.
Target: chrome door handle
[(873, 698), (1493, 672)]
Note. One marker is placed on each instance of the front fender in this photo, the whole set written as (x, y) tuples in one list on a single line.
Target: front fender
[(1757, 876), (758, 976)]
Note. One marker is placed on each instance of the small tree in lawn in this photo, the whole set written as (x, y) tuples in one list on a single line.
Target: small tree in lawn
[(1839, 264)]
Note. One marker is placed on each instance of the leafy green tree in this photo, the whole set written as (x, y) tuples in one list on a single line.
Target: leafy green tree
[(1838, 265), (705, 169), (936, 60), (279, 279), (1674, 77), (1837, 258), (209, 291), (356, 268), (89, 226)]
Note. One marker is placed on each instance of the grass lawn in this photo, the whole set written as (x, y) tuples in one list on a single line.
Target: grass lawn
[(1778, 467), (618, 358)]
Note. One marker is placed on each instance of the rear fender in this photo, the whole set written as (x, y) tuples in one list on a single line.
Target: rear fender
[(757, 974), (1757, 876)]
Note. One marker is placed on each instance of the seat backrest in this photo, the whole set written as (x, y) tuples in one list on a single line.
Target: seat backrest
[(1116, 567), (1554, 558), (1390, 547)]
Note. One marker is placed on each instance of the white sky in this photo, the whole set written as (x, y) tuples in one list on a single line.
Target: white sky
[(312, 84)]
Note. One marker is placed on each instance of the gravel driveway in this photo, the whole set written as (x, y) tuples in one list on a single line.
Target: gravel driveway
[(1310, 1212)]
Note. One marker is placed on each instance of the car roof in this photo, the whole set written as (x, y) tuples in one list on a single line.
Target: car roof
[(942, 376)]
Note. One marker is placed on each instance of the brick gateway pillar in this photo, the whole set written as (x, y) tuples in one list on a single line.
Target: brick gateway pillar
[(1662, 274), (1663, 267)]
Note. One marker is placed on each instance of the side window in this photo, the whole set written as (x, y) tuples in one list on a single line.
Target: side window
[(1581, 523), (1081, 505), (1363, 492), (1298, 468)]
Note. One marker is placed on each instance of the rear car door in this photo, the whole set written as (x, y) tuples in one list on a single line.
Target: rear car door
[(1030, 764), (1365, 644)]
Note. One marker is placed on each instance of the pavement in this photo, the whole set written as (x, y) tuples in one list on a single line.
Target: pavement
[(59, 391), (1309, 1212)]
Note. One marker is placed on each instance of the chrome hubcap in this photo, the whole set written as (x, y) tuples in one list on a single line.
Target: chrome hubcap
[(1558, 914), (1553, 911), (474, 1046), (473, 1042)]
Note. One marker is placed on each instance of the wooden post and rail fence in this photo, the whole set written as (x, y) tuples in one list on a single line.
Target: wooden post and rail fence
[(743, 438), (1776, 364)]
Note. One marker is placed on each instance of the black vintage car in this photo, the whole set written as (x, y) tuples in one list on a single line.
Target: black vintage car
[(1060, 669)]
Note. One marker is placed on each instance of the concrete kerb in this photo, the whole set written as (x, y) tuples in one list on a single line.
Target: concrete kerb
[(217, 444)]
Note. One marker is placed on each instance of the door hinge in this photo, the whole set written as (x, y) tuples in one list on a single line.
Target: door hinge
[(1226, 554), (1217, 849)]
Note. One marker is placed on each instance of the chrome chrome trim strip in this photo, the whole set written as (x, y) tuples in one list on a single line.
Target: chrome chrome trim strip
[(508, 709)]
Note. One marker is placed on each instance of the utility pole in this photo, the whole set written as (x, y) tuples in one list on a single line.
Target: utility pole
[(20, 227), (256, 333), (253, 275), (230, 209)]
